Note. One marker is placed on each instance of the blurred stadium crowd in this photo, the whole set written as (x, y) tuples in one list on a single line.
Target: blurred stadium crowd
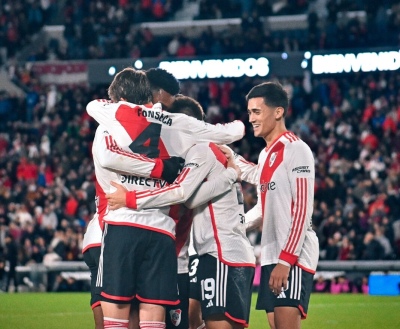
[(110, 29), (350, 122)]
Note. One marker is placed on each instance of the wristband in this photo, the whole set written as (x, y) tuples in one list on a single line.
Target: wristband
[(130, 199)]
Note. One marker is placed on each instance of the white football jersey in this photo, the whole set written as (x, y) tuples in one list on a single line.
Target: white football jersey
[(218, 225), (111, 163), (156, 134), (286, 175)]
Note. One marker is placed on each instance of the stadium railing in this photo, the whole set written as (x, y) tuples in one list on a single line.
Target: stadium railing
[(38, 274)]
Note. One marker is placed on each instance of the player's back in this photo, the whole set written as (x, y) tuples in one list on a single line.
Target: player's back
[(104, 146), (155, 133), (218, 226)]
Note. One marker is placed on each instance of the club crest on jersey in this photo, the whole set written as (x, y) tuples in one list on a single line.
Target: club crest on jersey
[(272, 158), (175, 316)]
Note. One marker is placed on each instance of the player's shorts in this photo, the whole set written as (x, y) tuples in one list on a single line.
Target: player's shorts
[(91, 257), (178, 316), (194, 284), (297, 294), (225, 289), (139, 263)]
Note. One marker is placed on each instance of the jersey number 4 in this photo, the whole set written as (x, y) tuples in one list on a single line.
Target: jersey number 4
[(146, 142)]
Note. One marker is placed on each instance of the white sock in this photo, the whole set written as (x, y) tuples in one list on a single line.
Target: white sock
[(151, 325), (202, 326), (111, 323)]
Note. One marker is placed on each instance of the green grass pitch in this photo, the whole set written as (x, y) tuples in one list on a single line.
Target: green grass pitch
[(71, 310)]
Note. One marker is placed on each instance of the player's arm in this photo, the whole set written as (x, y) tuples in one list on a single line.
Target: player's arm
[(102, 110), (301, 173), (253, 218), (114, 158), (218, 133), (215, 187), (248, 169), (198, 164)]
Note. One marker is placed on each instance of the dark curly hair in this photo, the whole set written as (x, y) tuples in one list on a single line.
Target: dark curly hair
[(188, 106), (162, 79)]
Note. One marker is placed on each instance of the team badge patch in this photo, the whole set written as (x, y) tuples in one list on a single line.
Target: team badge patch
[(175, 316), (272, 158)]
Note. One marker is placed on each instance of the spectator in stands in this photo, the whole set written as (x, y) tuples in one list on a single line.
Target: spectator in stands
[(320, 284), (373, 250), (370, 112), (11, 255), (339, 285)]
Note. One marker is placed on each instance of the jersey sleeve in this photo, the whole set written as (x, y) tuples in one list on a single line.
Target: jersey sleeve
[(101, 110), (218, 133), (248, 169), (253, 218), (301, 172), (212, 188), (114, 158), (199, 161)]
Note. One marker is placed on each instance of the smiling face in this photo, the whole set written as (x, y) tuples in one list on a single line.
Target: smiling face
[(267, 121)]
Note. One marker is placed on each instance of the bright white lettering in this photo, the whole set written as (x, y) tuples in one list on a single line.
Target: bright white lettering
[(217, 68), (366, 62)]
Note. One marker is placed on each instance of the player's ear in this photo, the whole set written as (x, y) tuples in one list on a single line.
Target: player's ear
[(279, 112)]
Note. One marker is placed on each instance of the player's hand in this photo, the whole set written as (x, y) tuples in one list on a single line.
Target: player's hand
[(172, 168), (117, 199), (231, 161), (278, 280)]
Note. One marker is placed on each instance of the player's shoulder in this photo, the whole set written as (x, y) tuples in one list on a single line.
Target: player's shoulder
[(205, 149), (99, 102), (292, 140)]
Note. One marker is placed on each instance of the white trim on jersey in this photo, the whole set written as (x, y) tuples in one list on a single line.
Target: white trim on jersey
[(222, 279), (295, 283)]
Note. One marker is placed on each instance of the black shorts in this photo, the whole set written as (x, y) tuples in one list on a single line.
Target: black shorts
[(194, 284), (296, 295), (225, 289), (139, 263), (178, 316), (91, 257)]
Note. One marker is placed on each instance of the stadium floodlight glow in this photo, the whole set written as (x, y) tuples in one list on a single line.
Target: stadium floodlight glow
[(304, 64), (138, 64), (364, 62), (307, 55), (111, 70), (284, 55), (217, 68)]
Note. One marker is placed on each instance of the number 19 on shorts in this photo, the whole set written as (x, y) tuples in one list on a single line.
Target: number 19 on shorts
[(207, 288)]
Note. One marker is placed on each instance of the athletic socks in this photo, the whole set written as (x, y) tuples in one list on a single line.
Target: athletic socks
[(151, 325), (110, 323)]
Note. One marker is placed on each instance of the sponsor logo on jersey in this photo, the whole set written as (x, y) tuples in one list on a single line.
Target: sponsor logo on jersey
[(175, 316), (210, 303), (191, 164), (267, 186), (143, 181), (194, 280), (165, 119), (301, 169), (272, 158)]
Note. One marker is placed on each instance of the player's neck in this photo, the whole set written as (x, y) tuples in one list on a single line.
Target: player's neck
[(274, 135)]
